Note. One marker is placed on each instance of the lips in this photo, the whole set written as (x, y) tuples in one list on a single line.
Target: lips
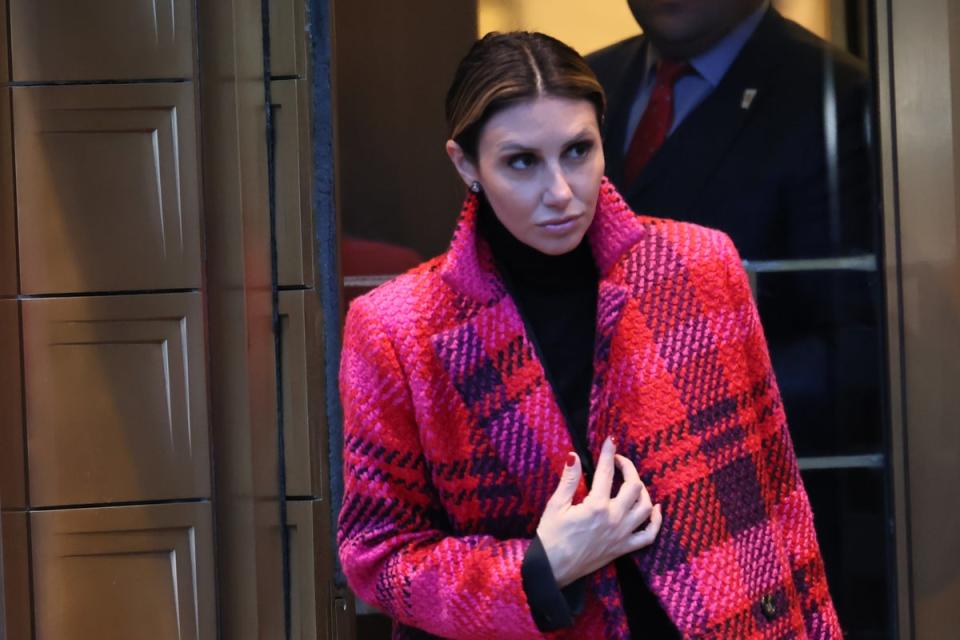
[(559, 222)]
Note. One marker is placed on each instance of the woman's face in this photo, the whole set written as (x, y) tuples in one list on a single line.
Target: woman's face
[(540, 163)]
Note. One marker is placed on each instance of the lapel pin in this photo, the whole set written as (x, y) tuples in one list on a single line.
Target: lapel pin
[(747, 100)]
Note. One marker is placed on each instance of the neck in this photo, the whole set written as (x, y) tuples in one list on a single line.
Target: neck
[(521, 262)]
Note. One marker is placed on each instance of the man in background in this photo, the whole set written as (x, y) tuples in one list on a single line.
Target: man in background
[(726, 114)]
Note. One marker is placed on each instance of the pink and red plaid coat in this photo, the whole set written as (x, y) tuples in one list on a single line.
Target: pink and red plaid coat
[(454, 441)]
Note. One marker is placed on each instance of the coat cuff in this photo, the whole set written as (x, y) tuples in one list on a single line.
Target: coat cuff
[(552, 607)]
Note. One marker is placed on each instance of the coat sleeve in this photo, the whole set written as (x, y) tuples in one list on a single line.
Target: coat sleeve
[(786, 501), (395, 547)]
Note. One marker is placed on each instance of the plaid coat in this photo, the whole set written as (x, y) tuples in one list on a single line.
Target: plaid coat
[(454, 442)]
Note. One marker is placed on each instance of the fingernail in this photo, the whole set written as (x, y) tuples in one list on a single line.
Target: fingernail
[(571, 459), (613, 441)]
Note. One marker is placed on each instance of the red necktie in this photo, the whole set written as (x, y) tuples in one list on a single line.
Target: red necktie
[(655, 124)]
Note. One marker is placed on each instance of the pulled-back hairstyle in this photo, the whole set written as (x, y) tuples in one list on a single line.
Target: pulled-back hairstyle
[(502, 69)]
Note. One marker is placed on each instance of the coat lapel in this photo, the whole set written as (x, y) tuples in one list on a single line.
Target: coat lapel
[(491, 360), (611, 302), (615, 230)]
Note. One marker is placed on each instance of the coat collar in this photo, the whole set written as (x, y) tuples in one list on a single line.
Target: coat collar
[(468, 265)]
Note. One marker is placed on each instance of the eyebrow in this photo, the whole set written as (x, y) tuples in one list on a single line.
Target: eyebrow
[(516, 146)]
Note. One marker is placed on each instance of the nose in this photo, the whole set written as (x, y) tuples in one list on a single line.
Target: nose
[(556, 193)]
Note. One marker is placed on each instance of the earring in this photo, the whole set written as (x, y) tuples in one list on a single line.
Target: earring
[(475, 187)]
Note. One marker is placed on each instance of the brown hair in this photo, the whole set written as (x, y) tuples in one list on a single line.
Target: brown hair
[(502, 69)]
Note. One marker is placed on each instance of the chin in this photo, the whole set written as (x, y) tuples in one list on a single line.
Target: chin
[(558, 246), (555, 251)]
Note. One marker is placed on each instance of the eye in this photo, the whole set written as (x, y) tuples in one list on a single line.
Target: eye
[(580, 149), (521, 161)]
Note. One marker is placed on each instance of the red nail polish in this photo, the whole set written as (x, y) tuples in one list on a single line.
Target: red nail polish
[(613, 441), (571, 459)]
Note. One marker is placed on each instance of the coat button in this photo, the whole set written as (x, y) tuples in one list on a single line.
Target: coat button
[(768, 607)]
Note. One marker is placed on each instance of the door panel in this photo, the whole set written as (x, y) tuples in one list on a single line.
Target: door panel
[(303, 597), (116, 399), (15, 575), (295, 408), (288, 55), (107, 187), (292, 163), (8, 221), (101, 40), (310, 564), (4, 61), (303, 407), (12, 483), (130, 573)]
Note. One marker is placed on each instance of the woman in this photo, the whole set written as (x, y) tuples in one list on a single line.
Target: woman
[(568, 422)]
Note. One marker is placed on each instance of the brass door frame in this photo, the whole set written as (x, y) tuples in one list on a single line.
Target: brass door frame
[(242, 363), (919, 111), (3, 592)]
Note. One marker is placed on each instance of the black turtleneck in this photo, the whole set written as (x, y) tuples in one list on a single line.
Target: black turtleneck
[(557, 299)]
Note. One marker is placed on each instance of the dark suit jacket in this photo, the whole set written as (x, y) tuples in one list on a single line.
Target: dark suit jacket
[(788, 177), (760, 174)]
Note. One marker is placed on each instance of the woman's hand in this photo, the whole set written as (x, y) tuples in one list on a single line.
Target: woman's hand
[(579, 539)]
